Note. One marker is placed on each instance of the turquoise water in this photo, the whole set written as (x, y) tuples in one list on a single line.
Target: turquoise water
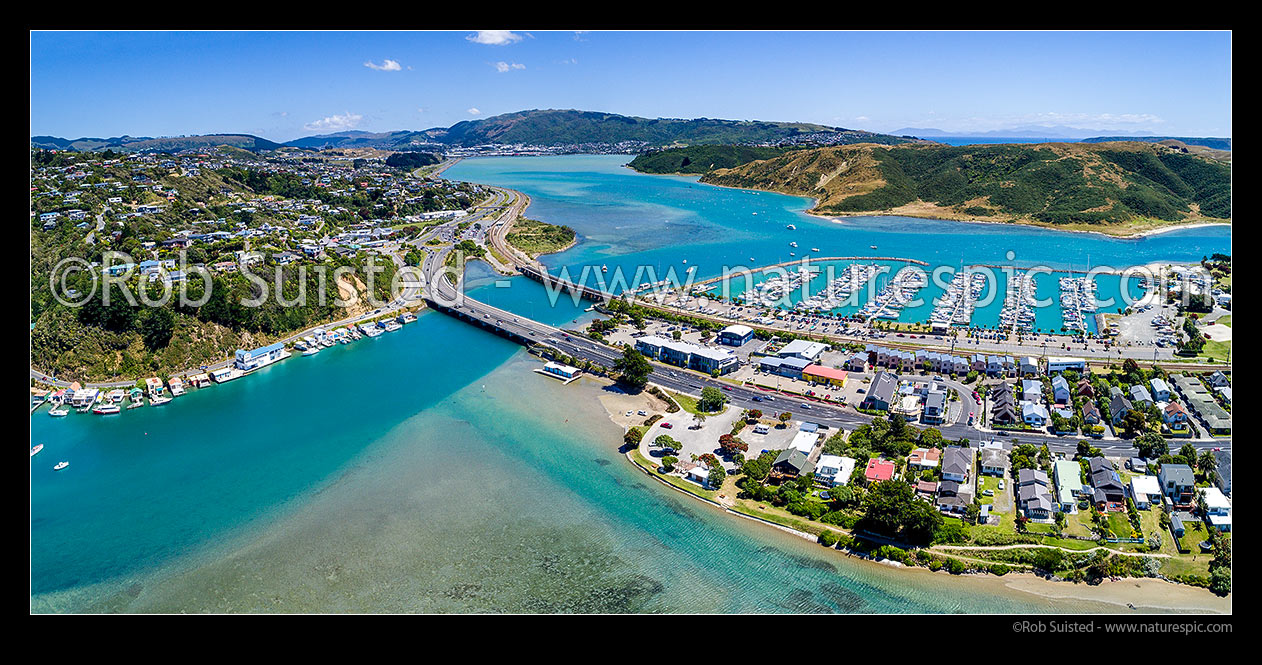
[(431, 470), (648, 225)]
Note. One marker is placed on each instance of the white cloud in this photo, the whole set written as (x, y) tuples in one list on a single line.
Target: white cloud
[(862, 118), (578, 35), (502, 66), (473, 110), (494, 37), (571, 61), (386, 66), (335, 123)]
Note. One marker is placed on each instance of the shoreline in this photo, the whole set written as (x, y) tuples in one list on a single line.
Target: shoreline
[(840, 219), (1173, 596)]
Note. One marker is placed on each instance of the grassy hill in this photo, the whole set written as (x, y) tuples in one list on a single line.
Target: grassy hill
[(1118, 187)]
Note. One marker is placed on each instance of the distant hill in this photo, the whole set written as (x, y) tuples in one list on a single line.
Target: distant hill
[(1022, 132), (1114, 187), (1206, 142), (702, 158), (563, 127), (148, 144), (567, 127)]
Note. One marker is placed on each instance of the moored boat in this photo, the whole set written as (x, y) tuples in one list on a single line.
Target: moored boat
[(61, 465), (59, 412), (36, 448), (158, 401), (107, 409)]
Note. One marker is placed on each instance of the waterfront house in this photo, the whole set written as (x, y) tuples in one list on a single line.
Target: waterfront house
[(1144, 491), (834, 470), (1218, 508), (1068, 477), (790, 464), (248, 361), (1033, 495), (1178, 482), (953, 496), (1108, 494)]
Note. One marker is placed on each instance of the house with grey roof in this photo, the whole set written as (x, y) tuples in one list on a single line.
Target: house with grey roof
[(957, 463)]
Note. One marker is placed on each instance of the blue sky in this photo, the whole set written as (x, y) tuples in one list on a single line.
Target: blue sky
[(283, 85)]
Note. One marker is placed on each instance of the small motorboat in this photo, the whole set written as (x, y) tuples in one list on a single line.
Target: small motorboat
[(107, 409), (872, 246), (60, 466), (36, 448), (312, 351), (158, 401), (791, 227), (57, 413)]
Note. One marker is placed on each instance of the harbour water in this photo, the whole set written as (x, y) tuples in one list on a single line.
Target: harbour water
[(430, 470), (635, 222)]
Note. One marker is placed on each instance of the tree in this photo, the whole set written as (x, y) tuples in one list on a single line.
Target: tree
[(633, 368), (712, 399), (699, 419), (1151, 445), (665, 441), (785, 417), (669, 462), (156, 327)]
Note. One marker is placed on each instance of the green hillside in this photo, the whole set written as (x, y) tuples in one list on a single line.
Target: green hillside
[(1099, 186)]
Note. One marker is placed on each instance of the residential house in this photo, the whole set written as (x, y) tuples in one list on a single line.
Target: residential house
[(957, 463), (1033, 495), (1219, 508), (993, 460), (1108, 493), (1068, 476), (1178, 482)]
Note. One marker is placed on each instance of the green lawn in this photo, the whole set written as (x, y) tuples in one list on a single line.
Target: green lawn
[(1220, 351), (1225, 320), (690, 404)]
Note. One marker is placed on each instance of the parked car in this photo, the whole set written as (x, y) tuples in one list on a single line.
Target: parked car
[(667, 426)]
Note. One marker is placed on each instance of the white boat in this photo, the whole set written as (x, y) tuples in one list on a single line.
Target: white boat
[(136, 404), (793, 244), (61, 465), (36, 448), (814, 249), (57, 413), (872, 246), (312, 351), (158, 401), (791, 227), (108, 409)]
